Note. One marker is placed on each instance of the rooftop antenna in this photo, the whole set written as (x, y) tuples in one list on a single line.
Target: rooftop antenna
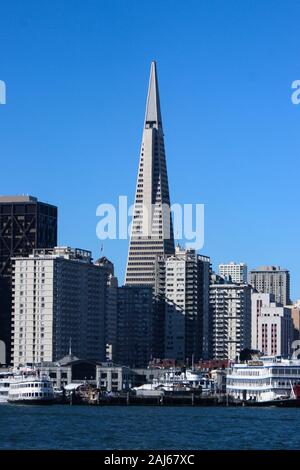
[(70, 346)]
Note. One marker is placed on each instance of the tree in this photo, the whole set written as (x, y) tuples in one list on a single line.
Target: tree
[(247, 354)]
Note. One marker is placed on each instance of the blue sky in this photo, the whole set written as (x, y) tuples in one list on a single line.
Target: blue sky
[(77, 75)]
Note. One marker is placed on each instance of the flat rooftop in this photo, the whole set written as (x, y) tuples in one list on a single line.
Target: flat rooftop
[(23, 198)]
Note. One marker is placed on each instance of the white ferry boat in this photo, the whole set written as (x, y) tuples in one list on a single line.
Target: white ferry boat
[(177, 381), (5, 380), (264, 380), (31, 388)]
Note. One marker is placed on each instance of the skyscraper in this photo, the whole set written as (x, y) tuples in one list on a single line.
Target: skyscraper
[(182, 287), (230, 309), (152, 230), (272, 280), (25, 224), (59, 297)]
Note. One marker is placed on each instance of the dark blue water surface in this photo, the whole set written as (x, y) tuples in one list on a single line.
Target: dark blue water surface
[(132, 427)]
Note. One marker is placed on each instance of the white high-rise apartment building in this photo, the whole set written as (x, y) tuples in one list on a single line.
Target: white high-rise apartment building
[(236, 271), (272, 326), (230, 310), (182, 283), (59, 300)]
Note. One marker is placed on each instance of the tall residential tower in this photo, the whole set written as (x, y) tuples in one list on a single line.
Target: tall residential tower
[(230, 310), (182, 287), (152, 230), (59, 298)]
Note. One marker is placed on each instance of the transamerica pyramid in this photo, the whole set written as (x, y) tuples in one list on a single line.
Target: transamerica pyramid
[(152, 228)]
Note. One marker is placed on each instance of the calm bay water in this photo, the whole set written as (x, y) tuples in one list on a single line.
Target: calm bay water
[(87, 427)]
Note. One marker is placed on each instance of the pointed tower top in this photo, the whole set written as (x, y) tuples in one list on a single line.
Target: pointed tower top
[(153, 115)]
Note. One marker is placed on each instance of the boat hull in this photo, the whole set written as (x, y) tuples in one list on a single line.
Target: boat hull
[(32, 402), (285, 403)]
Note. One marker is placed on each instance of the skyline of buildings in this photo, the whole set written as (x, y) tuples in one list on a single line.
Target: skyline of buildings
[(172, 305), (60, 296)]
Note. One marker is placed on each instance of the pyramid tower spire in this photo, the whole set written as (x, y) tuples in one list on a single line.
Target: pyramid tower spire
[(152, 229), (153, 114)]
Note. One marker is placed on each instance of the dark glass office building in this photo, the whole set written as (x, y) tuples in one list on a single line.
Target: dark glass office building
[(25, 224), (135, 326)]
